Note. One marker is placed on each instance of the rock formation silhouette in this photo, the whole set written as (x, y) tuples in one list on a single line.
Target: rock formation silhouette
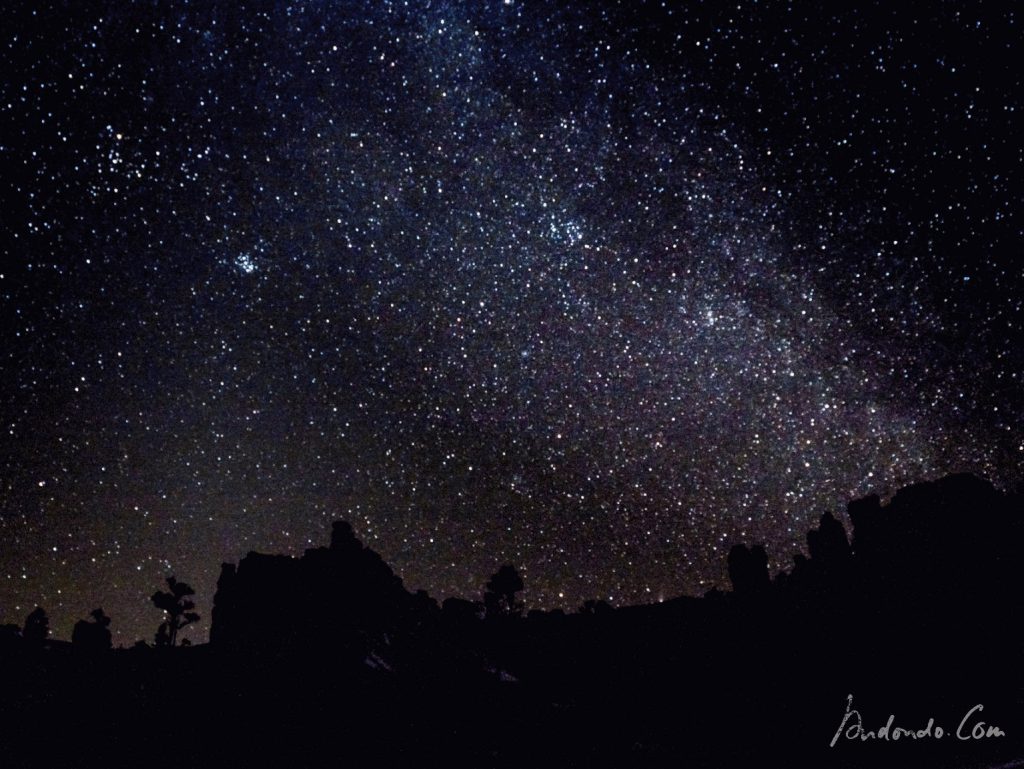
[(917, 612)]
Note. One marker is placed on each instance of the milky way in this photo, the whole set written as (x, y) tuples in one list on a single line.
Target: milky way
[(595, 290)]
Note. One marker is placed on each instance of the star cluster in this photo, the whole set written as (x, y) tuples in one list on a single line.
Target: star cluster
[(595, 289)]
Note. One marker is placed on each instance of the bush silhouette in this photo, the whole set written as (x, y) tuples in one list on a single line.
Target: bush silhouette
[(92, 636), (595, 606)]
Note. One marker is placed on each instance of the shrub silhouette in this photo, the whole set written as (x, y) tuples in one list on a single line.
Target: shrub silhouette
[(595, 606), (92, 636)]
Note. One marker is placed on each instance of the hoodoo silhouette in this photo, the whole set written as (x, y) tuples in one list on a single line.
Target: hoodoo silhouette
[(917, 614), (343, 599)]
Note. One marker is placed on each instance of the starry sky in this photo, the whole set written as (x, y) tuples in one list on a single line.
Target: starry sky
[(598, 289)]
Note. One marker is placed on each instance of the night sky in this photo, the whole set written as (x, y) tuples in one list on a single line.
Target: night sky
[(599, 290)]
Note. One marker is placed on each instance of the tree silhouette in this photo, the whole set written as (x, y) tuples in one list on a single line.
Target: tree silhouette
[(163, 637), (178, 608), (500, 592), (92, 636), (37, 627)]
